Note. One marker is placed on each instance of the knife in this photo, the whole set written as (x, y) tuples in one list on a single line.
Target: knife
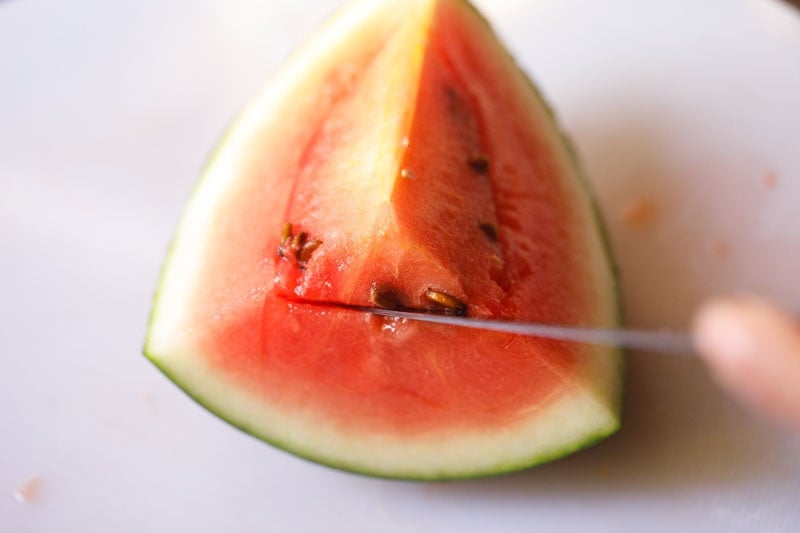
[(662, 341)]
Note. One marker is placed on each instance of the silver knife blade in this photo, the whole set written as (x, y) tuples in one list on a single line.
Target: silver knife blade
[(662, 341)]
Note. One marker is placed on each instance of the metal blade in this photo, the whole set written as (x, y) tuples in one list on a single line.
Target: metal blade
[(663, 341)]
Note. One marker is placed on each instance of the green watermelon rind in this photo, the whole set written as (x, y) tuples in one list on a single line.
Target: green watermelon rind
[(498, 469)]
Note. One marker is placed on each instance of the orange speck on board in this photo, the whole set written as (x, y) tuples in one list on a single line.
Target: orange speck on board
[(640, 213), (721, 249), (29, 491), (602, 471), (149, 400), (769, 180)]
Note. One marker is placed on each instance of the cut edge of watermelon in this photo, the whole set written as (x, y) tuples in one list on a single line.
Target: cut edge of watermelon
[(573, 422)]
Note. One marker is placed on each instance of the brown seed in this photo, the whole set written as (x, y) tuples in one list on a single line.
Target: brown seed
[(307, 249), (451, 304), (286, 231), (489, 230), (384, 297), (298, 241), (286, 240), (479, 164)]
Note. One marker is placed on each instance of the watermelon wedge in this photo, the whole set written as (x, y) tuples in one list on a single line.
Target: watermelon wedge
[(400, 159)]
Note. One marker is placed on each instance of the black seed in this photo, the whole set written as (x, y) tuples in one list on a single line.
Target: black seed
[(479, 164), (456, 106), (451, 304), (453, 99), (489, 230), (384, 297)]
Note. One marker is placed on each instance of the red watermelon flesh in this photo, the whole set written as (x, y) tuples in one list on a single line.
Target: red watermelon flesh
[(409, 155)]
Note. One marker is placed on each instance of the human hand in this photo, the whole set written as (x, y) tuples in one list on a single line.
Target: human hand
[(753, 351)]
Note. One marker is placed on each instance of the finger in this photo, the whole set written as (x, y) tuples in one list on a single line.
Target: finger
[(753, 350)]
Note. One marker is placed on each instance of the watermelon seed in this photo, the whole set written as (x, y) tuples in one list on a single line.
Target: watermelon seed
[(480, 164), (299, 245), (454, 104), (286, 231), (308, 248), (405, 173), (298, 241), (451, 304), (384, 297), (286, 240), (489, 230)]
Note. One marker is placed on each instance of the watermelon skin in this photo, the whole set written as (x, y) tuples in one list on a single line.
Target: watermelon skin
[(210, 344)]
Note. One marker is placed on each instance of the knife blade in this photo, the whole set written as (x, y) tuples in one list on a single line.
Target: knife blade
[(662, 341)]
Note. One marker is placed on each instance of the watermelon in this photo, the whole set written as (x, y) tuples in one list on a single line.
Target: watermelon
[(400, 159)]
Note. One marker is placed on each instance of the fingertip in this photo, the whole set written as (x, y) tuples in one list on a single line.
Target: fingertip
[(752, 349), (722, 333)]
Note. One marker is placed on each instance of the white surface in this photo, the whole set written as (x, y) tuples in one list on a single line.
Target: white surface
[(107, 110)]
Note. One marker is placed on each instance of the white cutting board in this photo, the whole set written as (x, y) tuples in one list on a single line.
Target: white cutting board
[(107, 110)]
